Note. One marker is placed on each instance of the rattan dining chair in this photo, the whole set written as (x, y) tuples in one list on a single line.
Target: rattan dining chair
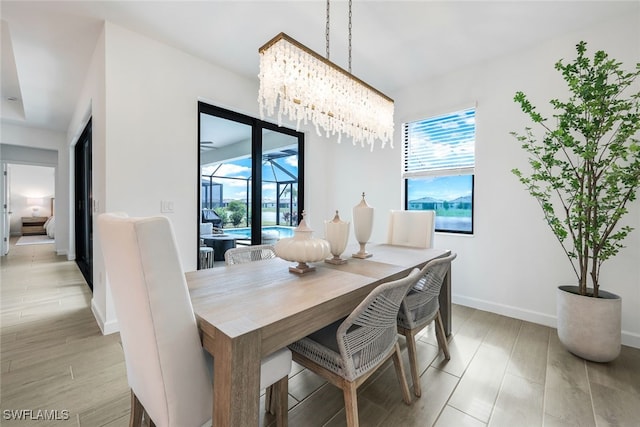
[(420, 307), (244, 254), (168, 371), (350, 350)]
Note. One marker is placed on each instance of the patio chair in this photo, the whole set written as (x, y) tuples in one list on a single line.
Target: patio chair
[(169, 373), (420, 307), (350, 350)]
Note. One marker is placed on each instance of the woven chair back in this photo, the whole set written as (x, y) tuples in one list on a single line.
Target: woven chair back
[(421, 303), (369, 334), (244, 254)]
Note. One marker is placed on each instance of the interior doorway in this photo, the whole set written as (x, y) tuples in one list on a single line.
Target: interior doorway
[(83, 205), (28, 191)]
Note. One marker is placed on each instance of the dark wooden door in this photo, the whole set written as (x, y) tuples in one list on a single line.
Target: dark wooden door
[(83, 205)]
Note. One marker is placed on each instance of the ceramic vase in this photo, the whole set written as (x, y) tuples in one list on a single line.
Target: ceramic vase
[(302, 248), (362, 226), (337, 234)]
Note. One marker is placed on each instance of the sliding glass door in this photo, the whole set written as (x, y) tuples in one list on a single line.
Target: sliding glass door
[(251, 180)]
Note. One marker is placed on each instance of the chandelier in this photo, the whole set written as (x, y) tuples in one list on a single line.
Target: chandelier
[(304, 86)]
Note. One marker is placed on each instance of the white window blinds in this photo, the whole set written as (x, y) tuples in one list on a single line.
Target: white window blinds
[(441, 145)]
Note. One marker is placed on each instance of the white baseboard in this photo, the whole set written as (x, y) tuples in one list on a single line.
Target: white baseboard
[(630, 339), (105, 327), (506, 310)]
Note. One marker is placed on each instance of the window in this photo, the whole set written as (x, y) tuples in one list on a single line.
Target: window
[(439, 161)]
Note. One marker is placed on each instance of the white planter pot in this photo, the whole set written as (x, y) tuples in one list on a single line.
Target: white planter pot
[(589, 327)]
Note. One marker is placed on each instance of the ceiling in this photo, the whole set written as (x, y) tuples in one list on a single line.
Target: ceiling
[(47, 45)]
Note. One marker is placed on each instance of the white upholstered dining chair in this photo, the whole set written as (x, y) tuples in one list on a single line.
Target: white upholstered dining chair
[(167, 369), (411, 228), (420, 307), (350, 350)]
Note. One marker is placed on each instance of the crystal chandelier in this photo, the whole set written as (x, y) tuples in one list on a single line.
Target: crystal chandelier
[(305, 87)]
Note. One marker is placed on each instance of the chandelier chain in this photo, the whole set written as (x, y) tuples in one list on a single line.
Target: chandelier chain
[(327, 29), (350, 36)]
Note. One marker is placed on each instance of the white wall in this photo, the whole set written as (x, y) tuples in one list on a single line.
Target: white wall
[(513, 263)]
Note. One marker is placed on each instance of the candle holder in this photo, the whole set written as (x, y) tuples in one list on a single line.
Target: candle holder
[(337, 234), (362, 226)]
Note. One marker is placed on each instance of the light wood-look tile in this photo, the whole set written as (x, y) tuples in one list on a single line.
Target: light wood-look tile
[(529, 357), (452, 417), (478, 388), (317, 409), (502, 371), (567, 392), (437, 387), (519, 403), (304, 383), (614, 407), (464, 344)]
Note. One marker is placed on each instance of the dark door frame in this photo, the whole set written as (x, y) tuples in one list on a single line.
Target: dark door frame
[(83, 201)]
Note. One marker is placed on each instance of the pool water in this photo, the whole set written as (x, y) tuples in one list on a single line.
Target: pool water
[(245, 232)]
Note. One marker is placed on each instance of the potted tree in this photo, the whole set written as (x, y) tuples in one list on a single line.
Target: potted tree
[(585, 169)]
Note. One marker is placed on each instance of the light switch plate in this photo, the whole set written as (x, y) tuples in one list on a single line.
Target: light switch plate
[(166, 206)]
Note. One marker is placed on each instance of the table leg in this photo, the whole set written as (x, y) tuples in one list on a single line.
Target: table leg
[(236, 387)]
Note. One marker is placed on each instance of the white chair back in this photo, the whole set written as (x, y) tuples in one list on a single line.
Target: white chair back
[(411, 228), (166, 366)]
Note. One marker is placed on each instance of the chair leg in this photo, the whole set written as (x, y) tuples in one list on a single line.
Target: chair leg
[(413, 361), (135, 420), (397, 362), (269, 404), (351, 404), (441, 337), (280, 401)]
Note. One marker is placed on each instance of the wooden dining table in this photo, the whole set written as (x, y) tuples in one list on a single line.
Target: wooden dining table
[(247, 311)]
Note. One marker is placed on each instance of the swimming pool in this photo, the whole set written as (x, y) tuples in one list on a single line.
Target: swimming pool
[(245, 232)]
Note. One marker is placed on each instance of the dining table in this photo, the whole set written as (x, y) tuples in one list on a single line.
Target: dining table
[(247, 311)]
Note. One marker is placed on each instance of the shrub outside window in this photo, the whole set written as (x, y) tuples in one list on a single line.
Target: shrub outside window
[(438, 168)]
